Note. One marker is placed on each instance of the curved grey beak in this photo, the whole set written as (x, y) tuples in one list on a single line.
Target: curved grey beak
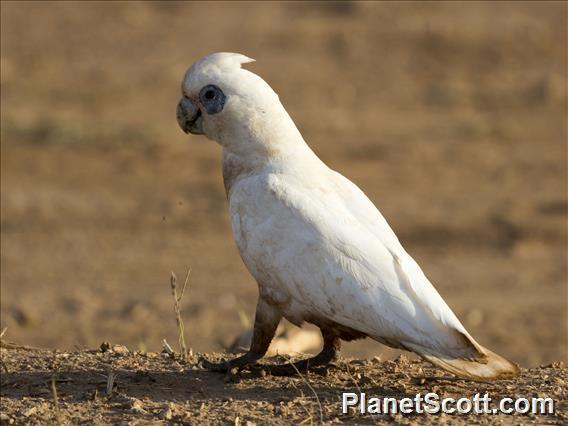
[(189, 117)]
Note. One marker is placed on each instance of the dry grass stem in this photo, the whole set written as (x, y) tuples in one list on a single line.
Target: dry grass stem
[(11, 345), (305, 380), (352, 377), (309, 419), (55, 401), (177, 309), (111, 378), (373, 416)]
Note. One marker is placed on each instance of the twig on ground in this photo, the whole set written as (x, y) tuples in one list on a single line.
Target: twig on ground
[(11, 345), (309, 419), (167, 348)]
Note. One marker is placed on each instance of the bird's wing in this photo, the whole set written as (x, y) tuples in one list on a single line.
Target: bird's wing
[(329, 247)]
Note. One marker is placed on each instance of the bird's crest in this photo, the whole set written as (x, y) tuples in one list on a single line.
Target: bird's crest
[(225, 61), (212, 65)]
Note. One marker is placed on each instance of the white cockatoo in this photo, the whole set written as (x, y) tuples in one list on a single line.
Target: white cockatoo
[(318, 248)]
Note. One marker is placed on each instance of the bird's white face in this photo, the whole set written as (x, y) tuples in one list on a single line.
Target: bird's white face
[(220, 99)]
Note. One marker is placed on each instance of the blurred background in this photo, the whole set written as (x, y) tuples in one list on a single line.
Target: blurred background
[(450, 116)]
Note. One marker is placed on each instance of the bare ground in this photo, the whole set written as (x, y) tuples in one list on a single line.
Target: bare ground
[(156, 387)]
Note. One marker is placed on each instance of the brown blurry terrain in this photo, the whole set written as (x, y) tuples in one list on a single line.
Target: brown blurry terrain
[(450, 116)]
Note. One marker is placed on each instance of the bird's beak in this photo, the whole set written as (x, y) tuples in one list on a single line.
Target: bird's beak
[(189, 117)]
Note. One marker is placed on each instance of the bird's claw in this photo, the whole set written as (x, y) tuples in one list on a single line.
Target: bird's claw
[(217, 367), (297, 369), (230, 367)]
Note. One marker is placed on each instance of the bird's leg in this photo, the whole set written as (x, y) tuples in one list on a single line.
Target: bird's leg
[(265, 323), (329, 353)]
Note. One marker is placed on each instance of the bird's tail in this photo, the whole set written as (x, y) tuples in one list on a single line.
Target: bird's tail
[(491, 367), (484, 365)]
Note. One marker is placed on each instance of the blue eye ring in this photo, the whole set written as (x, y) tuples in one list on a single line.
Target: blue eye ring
[(212, 98)]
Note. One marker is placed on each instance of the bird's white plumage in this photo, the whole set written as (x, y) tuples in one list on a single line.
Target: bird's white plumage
[(317, 246), (319, 256)]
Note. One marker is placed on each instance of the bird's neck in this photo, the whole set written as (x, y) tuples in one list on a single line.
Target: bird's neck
[(284, 151), (238, 166), (264, 140)]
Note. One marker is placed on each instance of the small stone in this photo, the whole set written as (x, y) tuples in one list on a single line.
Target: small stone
[(120, 349), (558, 364), (401, 359), (105, 346), (136, 406), (6, 419), (166, 414), (30, 412)]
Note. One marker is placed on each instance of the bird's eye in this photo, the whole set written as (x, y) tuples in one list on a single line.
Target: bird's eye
[(212, 98)]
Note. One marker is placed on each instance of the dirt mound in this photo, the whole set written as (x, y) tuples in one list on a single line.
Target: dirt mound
[(120, 386)]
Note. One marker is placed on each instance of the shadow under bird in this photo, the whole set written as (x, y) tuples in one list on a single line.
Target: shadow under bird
[(319, 249)]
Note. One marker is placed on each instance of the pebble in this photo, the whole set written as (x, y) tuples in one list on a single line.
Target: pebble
[(136, 406), (5, 419), (120, 349), (166, 414), (376, 360), (30, 412)]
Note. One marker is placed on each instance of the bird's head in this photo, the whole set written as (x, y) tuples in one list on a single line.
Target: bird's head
[(232, 105)]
